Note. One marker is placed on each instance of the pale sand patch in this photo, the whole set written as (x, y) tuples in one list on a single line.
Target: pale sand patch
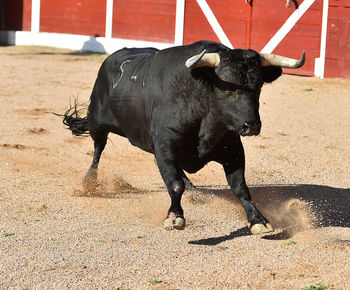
[(54, 234)]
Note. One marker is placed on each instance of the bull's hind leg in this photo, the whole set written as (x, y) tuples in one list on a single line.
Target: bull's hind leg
[(172, 177), (188, 184), (100, 140)]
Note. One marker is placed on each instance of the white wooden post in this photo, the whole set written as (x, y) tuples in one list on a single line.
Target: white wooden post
[(35, 22), (321, 61), (179, 22), (109, 19)]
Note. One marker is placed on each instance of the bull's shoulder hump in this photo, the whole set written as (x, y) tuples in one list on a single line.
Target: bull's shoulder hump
[(207, 44), (126, 53), (179, 54), (199, 46)]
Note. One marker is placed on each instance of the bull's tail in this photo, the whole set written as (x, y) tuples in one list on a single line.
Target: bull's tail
[(74, 121)]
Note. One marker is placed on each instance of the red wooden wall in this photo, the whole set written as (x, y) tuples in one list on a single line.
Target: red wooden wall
[(27, 15), (152, 20), (246, 26), (86, 17), (253, 26), (338, 39)]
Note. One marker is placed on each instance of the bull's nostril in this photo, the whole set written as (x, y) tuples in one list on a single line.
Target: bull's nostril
[(245, 129), (250, 129)]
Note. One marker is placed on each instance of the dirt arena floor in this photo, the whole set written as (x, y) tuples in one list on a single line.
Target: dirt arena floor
[(53, 234)]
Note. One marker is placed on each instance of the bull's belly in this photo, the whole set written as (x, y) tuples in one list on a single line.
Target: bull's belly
[(191, 163), (144, 145)]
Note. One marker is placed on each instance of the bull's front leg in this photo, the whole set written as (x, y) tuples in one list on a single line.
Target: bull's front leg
[(233, 161), (172, 177), (257, 223)]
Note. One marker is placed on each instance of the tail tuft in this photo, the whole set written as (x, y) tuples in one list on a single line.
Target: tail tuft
[(74, 122)]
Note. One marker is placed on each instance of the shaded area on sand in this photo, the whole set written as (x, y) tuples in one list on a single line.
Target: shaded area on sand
[(291, 208)]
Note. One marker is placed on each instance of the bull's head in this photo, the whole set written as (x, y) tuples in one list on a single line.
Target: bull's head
[(238, 78)]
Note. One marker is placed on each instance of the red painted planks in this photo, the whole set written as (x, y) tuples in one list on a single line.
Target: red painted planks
[(338, 41), (27, 15), (86, 17), (336, 68), (339, 3), (152, 20)]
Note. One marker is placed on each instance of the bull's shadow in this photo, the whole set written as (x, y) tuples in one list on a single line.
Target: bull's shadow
[(328, 206)]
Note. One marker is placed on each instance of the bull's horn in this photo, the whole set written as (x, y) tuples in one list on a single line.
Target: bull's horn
[(203, 59), (282, 61)]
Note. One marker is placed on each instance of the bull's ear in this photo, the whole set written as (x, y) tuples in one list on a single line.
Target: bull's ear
[(271, 73)]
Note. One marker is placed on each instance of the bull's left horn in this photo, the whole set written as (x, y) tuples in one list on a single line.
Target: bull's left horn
[(282, 61), (203, 59)]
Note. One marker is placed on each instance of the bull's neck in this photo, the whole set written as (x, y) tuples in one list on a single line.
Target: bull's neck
[(211, 131)]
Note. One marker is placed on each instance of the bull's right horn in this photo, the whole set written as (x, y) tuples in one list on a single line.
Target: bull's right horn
[(203, 59), (282, 61)]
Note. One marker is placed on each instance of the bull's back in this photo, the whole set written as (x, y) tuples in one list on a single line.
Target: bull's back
[(125, 72)]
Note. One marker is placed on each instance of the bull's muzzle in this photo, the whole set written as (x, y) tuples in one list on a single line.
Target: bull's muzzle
[(250, 129)]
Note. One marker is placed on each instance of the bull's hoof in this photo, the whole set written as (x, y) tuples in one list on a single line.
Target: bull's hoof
[(258, 229), (180, 223), (90, 182), (173, 222)]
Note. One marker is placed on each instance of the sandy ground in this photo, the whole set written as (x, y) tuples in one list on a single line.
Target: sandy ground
[(55, 235)]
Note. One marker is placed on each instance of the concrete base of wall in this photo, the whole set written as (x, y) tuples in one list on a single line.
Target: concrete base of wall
[(72, 41)]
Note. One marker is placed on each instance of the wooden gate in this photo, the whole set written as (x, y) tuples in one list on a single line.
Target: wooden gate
[(320, 27), (259, 26)]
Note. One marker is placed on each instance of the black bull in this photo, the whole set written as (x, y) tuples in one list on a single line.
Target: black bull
[(188, 105)]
